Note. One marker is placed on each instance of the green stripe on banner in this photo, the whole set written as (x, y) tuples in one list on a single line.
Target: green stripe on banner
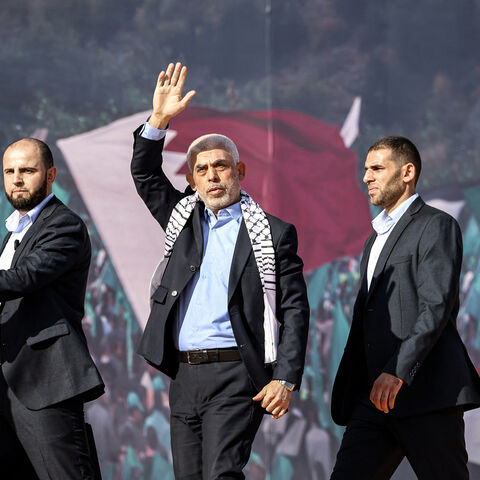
[(472, 195), (61, 193)]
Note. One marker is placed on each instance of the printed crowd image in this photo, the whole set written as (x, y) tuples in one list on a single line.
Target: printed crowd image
[(241, 240)]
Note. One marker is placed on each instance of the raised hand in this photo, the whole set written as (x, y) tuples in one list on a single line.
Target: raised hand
[(167, 97)]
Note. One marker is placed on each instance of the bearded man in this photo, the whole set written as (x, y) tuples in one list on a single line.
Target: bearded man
[(229, 314), (46, 370), (405, 378)]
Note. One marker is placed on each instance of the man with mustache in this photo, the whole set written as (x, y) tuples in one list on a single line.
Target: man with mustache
[(405, 378), (46, 371), (229, 313)]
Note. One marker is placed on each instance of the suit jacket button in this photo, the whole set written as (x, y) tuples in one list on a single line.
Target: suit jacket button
[(174, 293), (193, 268)]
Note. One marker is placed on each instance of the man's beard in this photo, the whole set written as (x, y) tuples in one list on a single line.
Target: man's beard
[(392, 190), (214, 203), (29, 200)]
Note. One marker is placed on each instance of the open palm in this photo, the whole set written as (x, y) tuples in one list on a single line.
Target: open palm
[(167, 97)]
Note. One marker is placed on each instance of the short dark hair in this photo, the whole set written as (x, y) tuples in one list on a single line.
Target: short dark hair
[(403, 151), (43, 148)]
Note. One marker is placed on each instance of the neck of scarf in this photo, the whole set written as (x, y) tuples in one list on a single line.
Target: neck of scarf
[(260, 236)]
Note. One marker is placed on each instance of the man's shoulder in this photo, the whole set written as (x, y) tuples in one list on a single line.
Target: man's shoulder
[(56, 211), (278, 225), (427, 213)]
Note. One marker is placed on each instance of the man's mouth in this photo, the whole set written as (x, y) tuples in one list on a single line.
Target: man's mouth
[(215, 190)]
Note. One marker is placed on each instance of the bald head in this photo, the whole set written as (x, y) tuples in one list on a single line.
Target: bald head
[(28, 173), (33, 144)]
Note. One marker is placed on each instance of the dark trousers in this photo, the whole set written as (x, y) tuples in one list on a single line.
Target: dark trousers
[(213, 420), (375, 443), (42, 444)]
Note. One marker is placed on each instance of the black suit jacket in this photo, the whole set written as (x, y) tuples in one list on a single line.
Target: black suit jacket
[(405, 324), (44, 353), (245, 296)]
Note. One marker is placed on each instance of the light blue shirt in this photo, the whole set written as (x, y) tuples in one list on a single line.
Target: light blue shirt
[(383, 224), (202, 316), (152, 133), (18, 225)]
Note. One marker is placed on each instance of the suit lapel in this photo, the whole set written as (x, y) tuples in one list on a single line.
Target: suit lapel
[(366, 254), (397, 231), (243, 249), (5, 240), (363, 264), (47, 210), (198, 212)]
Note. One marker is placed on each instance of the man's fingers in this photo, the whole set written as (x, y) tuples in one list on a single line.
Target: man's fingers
[(269, 403), (276, 411), (161, 76), (182, 77), (282, 412), (379, 397), (393, 396), (187, 98), (384, 393), (168, 74), (259, 396), (176, 74)]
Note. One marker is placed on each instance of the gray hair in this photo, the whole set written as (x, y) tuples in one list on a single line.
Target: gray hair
[(210, 142)]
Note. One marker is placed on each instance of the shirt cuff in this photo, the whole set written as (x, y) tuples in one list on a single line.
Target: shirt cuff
[(152, 133)]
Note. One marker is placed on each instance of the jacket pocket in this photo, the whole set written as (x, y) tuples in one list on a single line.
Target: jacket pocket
[(57, 330), (160, 294)]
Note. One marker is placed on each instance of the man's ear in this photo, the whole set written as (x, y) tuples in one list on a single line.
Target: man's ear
[(241, 170), (191, 181), (409, 173), (51, 175)]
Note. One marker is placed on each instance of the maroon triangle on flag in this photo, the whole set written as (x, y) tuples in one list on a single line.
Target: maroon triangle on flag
[(297, 168)]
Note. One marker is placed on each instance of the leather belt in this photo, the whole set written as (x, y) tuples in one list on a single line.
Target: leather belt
[(196, 357)]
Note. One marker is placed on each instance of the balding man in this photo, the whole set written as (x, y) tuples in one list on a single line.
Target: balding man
[(229, 311), (46, 371)]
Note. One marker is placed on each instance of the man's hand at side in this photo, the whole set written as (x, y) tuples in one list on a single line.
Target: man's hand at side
[(384, 391), (167, 97), (275, 398)]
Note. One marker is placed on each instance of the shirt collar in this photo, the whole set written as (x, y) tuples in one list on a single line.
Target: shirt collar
[(16, 224), (233, 211), (384, 222)]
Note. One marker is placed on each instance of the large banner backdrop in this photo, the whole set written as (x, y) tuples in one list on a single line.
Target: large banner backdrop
[(303, 87)]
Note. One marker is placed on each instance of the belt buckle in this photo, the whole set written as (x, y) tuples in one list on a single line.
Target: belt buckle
[(195, 357)]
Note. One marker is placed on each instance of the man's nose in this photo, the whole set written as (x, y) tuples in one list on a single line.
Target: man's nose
[(17, 178), (368, 177), (212, 174)]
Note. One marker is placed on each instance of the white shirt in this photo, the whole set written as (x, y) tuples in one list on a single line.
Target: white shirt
[(383, 224), (19, 226)]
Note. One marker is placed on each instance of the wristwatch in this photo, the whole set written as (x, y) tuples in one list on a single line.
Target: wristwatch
[(289, 386)]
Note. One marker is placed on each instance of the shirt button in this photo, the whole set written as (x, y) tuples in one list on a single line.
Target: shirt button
[(174, 293), (193, 268)]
